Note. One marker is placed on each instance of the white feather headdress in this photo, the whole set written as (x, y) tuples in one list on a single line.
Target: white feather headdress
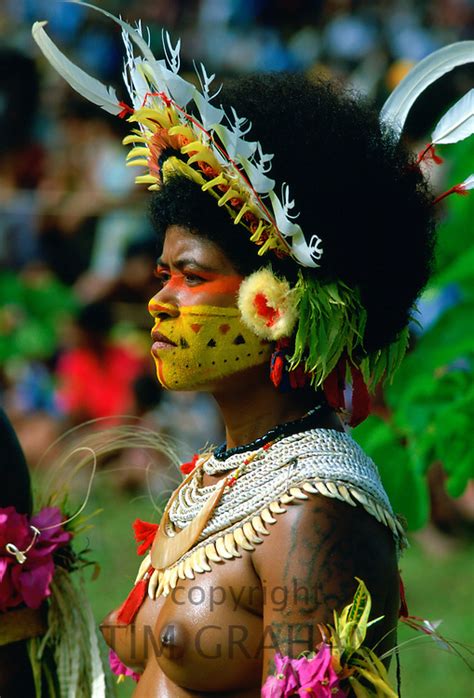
[(458, 122), (217, 154), (212, 145)]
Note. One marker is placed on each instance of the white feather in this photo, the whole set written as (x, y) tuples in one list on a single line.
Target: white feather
[(234, 143), (90, 88), (171, 52), (258, 179), (280, 210), (133, 33), (133, 75), (458, 123), (468, 183), (306, 255), (210, 115), (395, 110), (180, 90), (205, 81)]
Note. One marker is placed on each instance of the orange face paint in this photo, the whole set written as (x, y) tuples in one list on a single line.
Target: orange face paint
[(208, 282)]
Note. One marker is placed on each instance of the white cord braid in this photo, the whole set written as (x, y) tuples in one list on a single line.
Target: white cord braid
[(319, 461)]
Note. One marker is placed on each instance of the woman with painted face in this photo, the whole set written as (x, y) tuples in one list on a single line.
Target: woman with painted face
[(268, 533), (291, 257)]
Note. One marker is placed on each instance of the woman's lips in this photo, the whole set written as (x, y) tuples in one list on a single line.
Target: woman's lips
[(160, 342)]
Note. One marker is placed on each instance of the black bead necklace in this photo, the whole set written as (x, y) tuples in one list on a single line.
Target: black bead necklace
[(274, 434)]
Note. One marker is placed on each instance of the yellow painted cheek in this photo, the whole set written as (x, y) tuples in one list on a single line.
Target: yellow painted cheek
[(210, 345)]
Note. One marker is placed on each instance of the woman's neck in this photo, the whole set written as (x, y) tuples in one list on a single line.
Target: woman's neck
[(250, 408)]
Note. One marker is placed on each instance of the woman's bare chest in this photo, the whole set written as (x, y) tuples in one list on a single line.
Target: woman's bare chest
[(206, 635)]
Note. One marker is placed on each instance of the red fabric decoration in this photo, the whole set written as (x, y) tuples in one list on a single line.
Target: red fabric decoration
[(129, 609), (298, 377), (403, 612), (276, 372), (145, 534), (278, 360), (334, 386), (264, 310), (429, 153), (360, 398), (188, 467)]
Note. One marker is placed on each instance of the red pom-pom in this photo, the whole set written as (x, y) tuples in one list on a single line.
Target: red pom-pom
[(145, 534), (188, 467)]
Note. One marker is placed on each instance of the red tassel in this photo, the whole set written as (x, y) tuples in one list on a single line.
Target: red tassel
[(334, 385), (403, 612), (298, 377), (429, 153), (360, 398), (276, 371), (129, 609), (125, 110), (188, 467), (458, 189), (145, 534)]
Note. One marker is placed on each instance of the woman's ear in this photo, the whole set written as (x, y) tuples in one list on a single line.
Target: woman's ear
[(268, 305)]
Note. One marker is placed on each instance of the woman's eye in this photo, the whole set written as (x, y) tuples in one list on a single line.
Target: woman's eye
[(192, 279), (162, 276)]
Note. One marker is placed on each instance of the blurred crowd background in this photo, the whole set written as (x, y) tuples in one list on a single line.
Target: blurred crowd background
[(77, 255), (76, 248)]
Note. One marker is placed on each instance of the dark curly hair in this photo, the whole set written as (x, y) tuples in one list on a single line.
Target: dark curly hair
[(354, 186)]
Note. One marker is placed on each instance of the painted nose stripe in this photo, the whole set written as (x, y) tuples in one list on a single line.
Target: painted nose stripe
[(154, 307)]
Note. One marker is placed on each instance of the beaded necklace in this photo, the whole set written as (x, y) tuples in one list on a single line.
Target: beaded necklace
[(274, 434), (206, 524)]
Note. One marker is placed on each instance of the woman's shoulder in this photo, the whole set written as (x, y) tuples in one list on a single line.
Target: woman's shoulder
[(331, 464)]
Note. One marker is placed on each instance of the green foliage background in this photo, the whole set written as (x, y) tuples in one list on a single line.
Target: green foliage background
[(431, 399)]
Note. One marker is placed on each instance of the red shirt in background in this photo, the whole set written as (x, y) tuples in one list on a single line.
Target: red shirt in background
[(93, 386)]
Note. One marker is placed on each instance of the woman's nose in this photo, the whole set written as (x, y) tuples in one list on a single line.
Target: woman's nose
[(160, 309)]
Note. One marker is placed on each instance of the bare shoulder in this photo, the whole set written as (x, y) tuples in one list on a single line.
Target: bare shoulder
[(314, 553)]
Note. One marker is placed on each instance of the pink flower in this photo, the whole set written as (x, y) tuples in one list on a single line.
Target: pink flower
[(119, 668), (28, 582), (284, 682), (317, 677), (306, 678), (52, 539)]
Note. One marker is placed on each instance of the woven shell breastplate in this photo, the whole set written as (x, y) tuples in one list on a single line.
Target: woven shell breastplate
[(315, 462)]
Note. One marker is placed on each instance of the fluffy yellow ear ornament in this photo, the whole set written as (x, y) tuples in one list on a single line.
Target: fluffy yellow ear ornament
[(268, 305)]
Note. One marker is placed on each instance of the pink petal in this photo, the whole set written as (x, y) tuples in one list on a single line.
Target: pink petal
[(119, 668), (14, 528), (9, 596), (285, 674), (274, 688), (49, 522), (33, 584), (315, 669)]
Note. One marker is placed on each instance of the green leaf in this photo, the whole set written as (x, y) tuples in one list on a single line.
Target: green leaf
[(401, 475)]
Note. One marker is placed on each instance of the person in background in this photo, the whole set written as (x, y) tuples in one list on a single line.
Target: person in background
[(95, 374)]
